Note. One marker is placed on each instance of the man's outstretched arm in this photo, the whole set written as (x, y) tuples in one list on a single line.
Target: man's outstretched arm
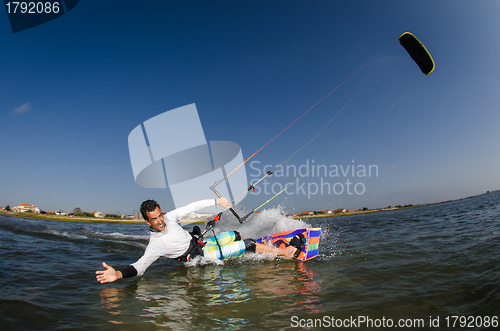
[(178, 213)]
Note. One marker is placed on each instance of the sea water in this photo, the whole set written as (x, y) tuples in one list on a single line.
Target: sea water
[(434, 267)]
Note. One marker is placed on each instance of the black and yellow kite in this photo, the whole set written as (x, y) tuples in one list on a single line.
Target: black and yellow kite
[(418, 52)]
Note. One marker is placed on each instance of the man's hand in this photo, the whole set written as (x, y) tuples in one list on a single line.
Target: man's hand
[(223, 203), (107, 276)]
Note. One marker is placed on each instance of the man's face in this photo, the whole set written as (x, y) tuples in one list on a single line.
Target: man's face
[(155, 220)]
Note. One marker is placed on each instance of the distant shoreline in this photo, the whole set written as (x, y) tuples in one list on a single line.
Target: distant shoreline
[(376, 210), (359, 212), (28, 215), (68, 218)]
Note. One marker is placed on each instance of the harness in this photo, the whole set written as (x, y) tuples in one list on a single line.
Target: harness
[(197, 243)]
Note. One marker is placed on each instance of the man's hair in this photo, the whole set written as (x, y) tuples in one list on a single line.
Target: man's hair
[(147, 207)]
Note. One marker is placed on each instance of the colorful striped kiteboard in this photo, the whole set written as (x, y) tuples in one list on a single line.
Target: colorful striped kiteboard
[(282, 239)]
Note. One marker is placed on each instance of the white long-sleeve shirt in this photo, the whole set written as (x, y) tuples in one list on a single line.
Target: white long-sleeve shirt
[(173, 241)]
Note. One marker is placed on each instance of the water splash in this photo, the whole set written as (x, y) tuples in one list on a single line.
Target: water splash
[(267, 222)]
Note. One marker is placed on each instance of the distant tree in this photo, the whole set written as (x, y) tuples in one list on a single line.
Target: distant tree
[(77, 211), (7, 208), (364, 208)]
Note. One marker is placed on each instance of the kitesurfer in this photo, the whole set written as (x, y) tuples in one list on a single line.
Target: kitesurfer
[(169, 239)]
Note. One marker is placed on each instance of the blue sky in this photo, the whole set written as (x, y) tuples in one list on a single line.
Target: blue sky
[(73, 89)]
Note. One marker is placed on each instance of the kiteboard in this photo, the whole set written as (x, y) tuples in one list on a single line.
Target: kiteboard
[(282, 239)]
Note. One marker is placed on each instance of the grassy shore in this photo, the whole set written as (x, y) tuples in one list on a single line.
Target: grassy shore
[(201, 221), (88, 219), (69, 218), (183, 221), (321, 215)]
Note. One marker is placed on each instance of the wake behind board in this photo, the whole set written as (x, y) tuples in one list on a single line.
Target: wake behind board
[(311, 241)]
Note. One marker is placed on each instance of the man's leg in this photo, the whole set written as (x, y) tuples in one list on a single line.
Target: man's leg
[(224, 238), (236, 248), (211, 251), (233, 245)]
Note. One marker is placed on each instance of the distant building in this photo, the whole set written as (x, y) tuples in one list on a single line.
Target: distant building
[(26, 207), (305, 213), (98, 214)]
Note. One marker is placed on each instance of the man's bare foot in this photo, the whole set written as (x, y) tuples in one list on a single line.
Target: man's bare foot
[(290, 252), (297, 243)]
